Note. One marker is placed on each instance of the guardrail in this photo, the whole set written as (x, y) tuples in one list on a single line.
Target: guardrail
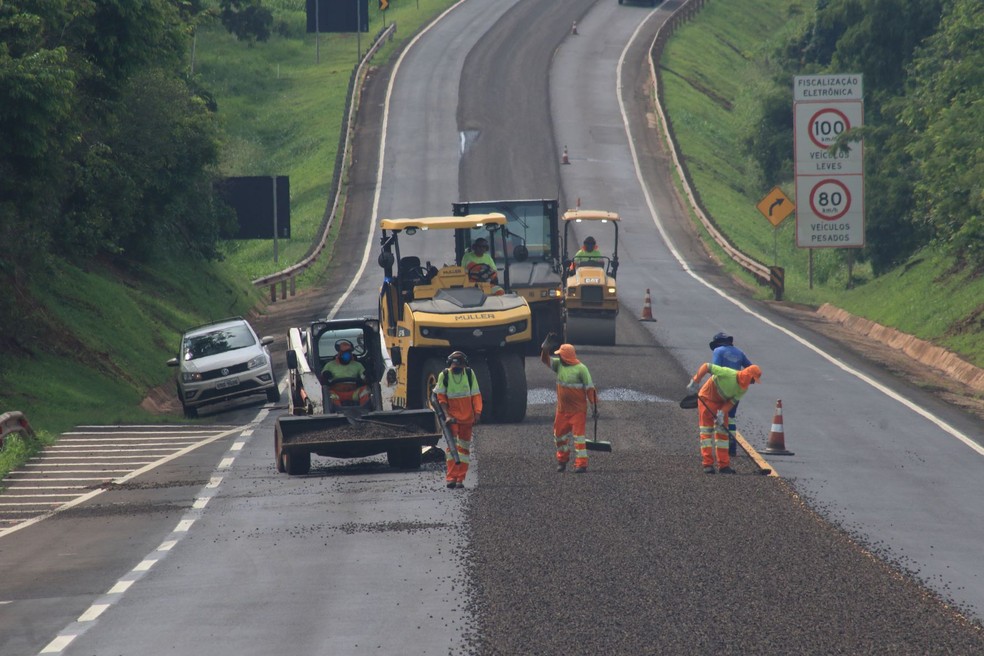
[(684, 13), (14, 422), (358, 76)]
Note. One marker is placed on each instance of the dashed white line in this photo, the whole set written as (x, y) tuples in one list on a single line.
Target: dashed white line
[(94, 611)]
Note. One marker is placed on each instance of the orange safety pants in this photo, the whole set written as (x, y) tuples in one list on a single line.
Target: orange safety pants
[(713, 439), (462, 439), (566, 423), (347, 394)]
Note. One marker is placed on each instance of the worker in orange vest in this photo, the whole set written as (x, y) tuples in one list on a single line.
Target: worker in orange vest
[(575, 390), (461, 400), (723, 389)]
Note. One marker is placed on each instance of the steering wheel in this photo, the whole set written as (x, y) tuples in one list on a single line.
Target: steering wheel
[(481, 273), (415, 273)]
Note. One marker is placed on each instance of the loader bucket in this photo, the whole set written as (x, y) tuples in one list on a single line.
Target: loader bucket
[(400, 434)]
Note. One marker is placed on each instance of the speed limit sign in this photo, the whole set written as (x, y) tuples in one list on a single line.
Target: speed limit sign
[(818, 125), (830, 212)]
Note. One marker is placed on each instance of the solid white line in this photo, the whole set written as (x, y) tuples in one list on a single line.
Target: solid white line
[(56, 479), (84, 464), (82, 460), (112, 448), (371, 232), (122, 479), (36, 496), (39, 503), (744, 308), (45, 487)]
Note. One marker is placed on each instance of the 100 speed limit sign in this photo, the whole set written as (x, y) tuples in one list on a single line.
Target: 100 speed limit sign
[(830, 211)]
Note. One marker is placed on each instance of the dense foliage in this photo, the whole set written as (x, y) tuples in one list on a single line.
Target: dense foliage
[(107, 149), (923, 68)]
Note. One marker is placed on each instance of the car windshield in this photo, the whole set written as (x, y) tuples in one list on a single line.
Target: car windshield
[(217, 341)]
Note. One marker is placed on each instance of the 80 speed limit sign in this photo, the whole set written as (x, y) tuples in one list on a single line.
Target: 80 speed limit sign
[(830, 212)]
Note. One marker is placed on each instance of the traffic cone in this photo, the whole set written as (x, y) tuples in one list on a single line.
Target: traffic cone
[(647, 309), (574, 28), (564, 159), (776, 445)]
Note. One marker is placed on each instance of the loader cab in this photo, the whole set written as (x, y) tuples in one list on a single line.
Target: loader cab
[(364, 336), (531, 224), (584, 221), (409, 277)]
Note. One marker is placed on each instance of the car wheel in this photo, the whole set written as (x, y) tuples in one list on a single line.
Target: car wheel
[(190, 411), (273, 394)]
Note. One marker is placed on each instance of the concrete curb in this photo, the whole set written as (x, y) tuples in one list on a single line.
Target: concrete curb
[(915, 348)]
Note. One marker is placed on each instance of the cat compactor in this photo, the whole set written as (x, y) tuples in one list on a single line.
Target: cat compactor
[(590, 293), (426, 312)]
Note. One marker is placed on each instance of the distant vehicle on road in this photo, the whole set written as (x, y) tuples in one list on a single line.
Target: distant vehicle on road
[(221, 361)]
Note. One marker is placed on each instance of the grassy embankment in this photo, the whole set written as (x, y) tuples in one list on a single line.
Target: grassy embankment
[(281, 111), (712, 72)]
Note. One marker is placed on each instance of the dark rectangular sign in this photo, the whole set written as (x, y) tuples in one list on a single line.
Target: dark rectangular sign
[(252, 199), (338, 15)]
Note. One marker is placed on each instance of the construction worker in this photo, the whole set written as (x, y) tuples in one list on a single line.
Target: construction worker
[(480, 266), (575, 390), (588, 251), (724, 353), (461, 400), (346, 378), (725, 387)]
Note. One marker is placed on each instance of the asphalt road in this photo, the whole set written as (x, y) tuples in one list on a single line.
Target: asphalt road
[(643, 554)]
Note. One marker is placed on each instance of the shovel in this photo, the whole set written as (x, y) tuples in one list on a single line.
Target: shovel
[(595, 444)]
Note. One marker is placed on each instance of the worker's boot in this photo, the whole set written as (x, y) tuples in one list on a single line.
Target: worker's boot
[(561, 466), (726, 470), (580, 470), (451, 485), (709, 469)]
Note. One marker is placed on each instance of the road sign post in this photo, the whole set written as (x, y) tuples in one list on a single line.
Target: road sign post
[(829, 185)]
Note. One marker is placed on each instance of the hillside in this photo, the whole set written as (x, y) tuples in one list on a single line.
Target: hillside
[(95, 335)]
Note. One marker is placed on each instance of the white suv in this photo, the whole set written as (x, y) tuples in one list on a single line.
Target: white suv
[(221, 361)]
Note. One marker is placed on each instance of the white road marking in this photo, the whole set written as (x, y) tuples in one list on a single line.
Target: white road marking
[(58, 644), (120, 587), (94, 611), (744, 308)]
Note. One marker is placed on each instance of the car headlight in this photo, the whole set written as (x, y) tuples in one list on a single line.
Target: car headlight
[(190, 377), (258, 361)]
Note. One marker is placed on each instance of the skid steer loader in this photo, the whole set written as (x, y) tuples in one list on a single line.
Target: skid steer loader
[(320, 422)]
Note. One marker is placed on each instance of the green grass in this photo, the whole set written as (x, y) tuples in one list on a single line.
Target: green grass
[(281, 111), (108, 332), (712, 70)]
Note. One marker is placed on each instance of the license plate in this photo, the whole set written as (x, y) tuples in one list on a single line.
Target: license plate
[(231, 382)]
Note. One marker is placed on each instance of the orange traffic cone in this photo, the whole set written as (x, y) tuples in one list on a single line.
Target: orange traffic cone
[(574, 27), (647, 309), (776, 445), (564, 159)]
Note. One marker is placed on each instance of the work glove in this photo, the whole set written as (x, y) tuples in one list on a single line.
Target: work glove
[(692, 387), (548, 341)]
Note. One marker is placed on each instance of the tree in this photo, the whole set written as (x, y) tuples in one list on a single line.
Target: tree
[(249, 20), (945, 114)]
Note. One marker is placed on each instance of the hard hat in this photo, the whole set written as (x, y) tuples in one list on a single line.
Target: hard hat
[(481, 242), (457, 358), (721, 339), (343, 345), (589, 241)]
